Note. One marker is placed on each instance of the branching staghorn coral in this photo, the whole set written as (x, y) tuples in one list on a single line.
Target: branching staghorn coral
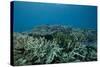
[(61, 46), (37, 50)]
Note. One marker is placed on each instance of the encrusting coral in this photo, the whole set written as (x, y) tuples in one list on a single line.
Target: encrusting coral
[(54, 44)]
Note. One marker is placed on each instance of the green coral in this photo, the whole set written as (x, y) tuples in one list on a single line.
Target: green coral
[(63, 45)]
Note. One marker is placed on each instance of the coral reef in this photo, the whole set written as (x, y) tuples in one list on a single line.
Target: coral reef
[(47, 44)]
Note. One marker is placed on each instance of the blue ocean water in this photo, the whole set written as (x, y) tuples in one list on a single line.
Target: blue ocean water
[(30, 14)]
